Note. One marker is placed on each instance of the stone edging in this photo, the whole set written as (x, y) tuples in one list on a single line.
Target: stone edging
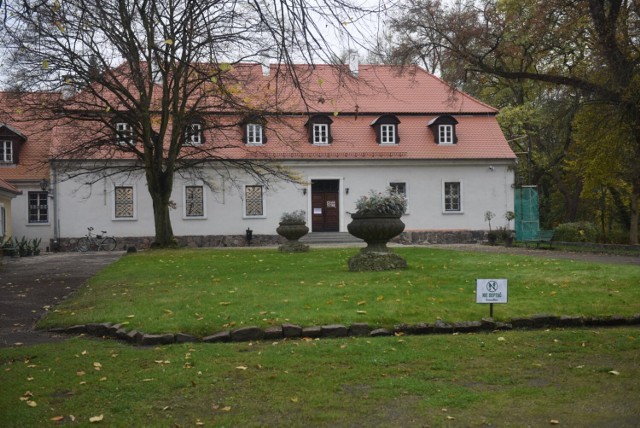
[(292, 331)]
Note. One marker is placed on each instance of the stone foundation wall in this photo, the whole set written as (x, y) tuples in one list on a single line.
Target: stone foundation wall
[(427, 237), (144, 243), (420, 237)]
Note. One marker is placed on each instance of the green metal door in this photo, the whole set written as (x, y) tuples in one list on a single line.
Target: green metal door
[(527, 214)]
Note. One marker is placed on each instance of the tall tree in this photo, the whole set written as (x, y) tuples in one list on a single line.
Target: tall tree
[(591, 46), (150, 68)]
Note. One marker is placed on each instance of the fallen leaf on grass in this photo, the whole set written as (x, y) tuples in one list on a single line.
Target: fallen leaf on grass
[(31, 403), (614, 372), (94, 419), (241, 368), (57, 418), (294, 399), (361, 312), (554, 422)]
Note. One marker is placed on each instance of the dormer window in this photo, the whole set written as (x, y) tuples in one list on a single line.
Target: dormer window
[(6, 151), (444, 129), (10, 141), (319, 128), (386, 128), (253, 127), (254, 133), (193, 134), (124, 134)]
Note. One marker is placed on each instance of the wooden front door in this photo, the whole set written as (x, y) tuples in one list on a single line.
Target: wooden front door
[(325, 205)]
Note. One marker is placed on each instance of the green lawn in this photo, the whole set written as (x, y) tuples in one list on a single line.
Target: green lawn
[(579, 378), (572, 377), (205, 291)]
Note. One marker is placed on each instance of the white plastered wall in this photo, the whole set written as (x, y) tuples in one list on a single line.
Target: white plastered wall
[(486, 186)]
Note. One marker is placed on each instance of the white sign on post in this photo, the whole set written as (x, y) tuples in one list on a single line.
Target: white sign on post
[(491, 291)]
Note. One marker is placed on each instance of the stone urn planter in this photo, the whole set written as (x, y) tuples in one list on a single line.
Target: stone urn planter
[(376, 222), (376, 230), (292, 227)]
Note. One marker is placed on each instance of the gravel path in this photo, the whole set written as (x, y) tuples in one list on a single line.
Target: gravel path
[(29, 286)]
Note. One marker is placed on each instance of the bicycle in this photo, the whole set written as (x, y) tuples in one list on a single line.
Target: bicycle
[(102, 242)]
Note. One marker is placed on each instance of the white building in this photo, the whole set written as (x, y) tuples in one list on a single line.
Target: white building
[(388, 127)]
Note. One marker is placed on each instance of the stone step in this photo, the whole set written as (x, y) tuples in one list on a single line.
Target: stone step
[(330, 238)]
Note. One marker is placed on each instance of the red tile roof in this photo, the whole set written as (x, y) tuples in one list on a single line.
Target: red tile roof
[(413, 95), (7, 187), (18, 113)]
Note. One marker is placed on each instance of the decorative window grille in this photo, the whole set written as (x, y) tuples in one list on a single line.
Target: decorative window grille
[(320, 133), (399, 188), (6, 151), (38, 207), (124, 133), (123, 202), (254, 201), (254, 133), (452, 200), (194, 201), (193, 134)]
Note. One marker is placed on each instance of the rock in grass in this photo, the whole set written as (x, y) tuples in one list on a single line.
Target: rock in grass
[(223, 336), (246, 334)]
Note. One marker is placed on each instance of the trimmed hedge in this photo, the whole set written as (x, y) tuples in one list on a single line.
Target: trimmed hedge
[(576, 232)]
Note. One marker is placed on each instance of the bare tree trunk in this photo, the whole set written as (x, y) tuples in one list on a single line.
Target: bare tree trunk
[(160, 187), (633, 227)]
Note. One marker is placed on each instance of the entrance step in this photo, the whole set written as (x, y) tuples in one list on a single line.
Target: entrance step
[(330, 238)]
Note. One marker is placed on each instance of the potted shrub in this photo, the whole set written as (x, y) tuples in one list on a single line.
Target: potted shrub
[(376, 221), (509, 216), (292, 227)]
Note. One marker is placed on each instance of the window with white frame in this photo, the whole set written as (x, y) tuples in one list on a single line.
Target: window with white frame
[(452, 196), (193, 134), (388, 134), (194, 202), (124, 202), (320, 133), (446, 134), (124, 133), (254, 133), (38, 207), (254, 201), (6, 151)]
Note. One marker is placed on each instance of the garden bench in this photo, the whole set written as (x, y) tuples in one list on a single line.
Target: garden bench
[(541, 236)]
